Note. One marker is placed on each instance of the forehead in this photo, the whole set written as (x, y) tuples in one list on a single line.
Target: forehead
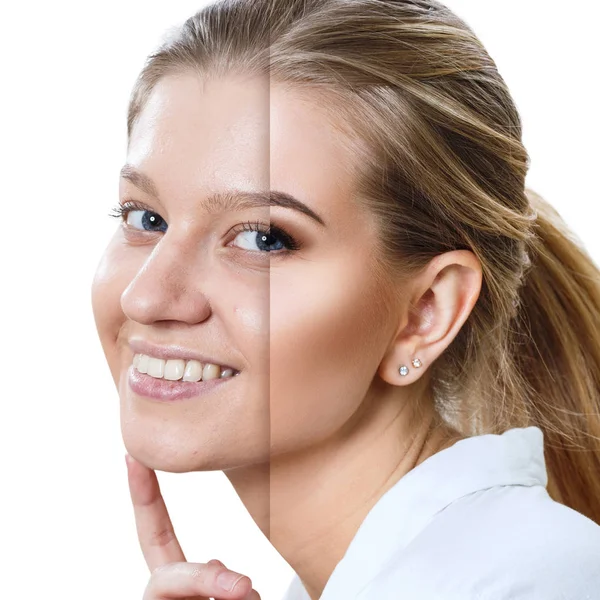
[(240, 133)]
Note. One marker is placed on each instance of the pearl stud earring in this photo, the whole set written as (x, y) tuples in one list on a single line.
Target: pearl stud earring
[(416, 363)]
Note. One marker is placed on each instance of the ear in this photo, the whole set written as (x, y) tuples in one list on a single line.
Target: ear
[(442, 297)]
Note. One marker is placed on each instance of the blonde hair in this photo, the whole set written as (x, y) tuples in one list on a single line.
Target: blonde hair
[(443, 167)]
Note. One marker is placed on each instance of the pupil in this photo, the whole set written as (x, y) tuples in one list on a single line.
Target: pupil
[(266, 240)]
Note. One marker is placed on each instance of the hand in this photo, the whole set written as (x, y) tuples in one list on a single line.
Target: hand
[(171, 575)]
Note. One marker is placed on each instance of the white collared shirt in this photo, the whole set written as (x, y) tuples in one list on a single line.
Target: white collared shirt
[(472, 522)]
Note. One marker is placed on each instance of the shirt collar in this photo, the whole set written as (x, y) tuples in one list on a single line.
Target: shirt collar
[(515, 457)]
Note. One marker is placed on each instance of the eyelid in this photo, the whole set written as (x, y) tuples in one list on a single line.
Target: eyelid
[(122, 209), (130, 205)]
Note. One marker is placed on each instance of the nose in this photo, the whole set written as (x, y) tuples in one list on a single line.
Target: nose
[(166, 288)]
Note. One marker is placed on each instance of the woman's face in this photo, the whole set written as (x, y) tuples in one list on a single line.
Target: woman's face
[(297, 313)]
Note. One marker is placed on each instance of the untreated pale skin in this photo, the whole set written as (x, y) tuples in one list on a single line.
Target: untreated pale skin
[(319, 424)]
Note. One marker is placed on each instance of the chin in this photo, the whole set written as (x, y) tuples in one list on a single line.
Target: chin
[(173, 451), (165, 451)]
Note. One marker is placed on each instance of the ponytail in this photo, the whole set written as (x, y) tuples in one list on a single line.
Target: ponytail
[(560, 315)]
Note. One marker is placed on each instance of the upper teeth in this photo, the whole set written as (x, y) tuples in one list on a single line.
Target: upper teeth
[(173, 370)]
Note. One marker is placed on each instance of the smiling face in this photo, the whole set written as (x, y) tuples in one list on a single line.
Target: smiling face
[(296, 312)]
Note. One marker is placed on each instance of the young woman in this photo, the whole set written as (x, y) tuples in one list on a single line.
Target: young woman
[(331, 283)]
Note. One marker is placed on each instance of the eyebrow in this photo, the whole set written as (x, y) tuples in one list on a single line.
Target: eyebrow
[(229, 200)]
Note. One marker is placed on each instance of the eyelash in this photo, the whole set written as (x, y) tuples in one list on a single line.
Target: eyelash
[(122, 210)]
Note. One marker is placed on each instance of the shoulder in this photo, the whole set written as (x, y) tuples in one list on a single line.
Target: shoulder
[(503, 542)]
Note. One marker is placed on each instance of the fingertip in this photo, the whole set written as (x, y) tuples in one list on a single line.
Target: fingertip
[(136, 467), (234, 583), (243, 586)]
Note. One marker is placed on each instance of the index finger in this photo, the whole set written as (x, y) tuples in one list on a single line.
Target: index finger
[(155, 531)]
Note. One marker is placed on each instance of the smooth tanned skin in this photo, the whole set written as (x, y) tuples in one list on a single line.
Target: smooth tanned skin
[(318, 425)]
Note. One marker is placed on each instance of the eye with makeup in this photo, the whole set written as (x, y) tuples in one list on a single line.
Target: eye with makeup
[(265, 237), (252, 236)]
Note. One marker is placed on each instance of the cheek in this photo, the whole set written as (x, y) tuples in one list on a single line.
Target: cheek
[(252, 317), (114, 273), (248, 305), (326, 343), (249, 332)]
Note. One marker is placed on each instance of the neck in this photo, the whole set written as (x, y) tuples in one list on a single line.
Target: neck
[(310, 504)]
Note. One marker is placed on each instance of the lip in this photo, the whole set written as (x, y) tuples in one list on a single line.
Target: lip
[(139, 346), (169, 391)]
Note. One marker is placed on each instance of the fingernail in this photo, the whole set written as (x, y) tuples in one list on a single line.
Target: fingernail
[(228, 579)]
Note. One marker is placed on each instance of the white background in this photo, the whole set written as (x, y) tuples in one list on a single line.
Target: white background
[(67, 70)]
